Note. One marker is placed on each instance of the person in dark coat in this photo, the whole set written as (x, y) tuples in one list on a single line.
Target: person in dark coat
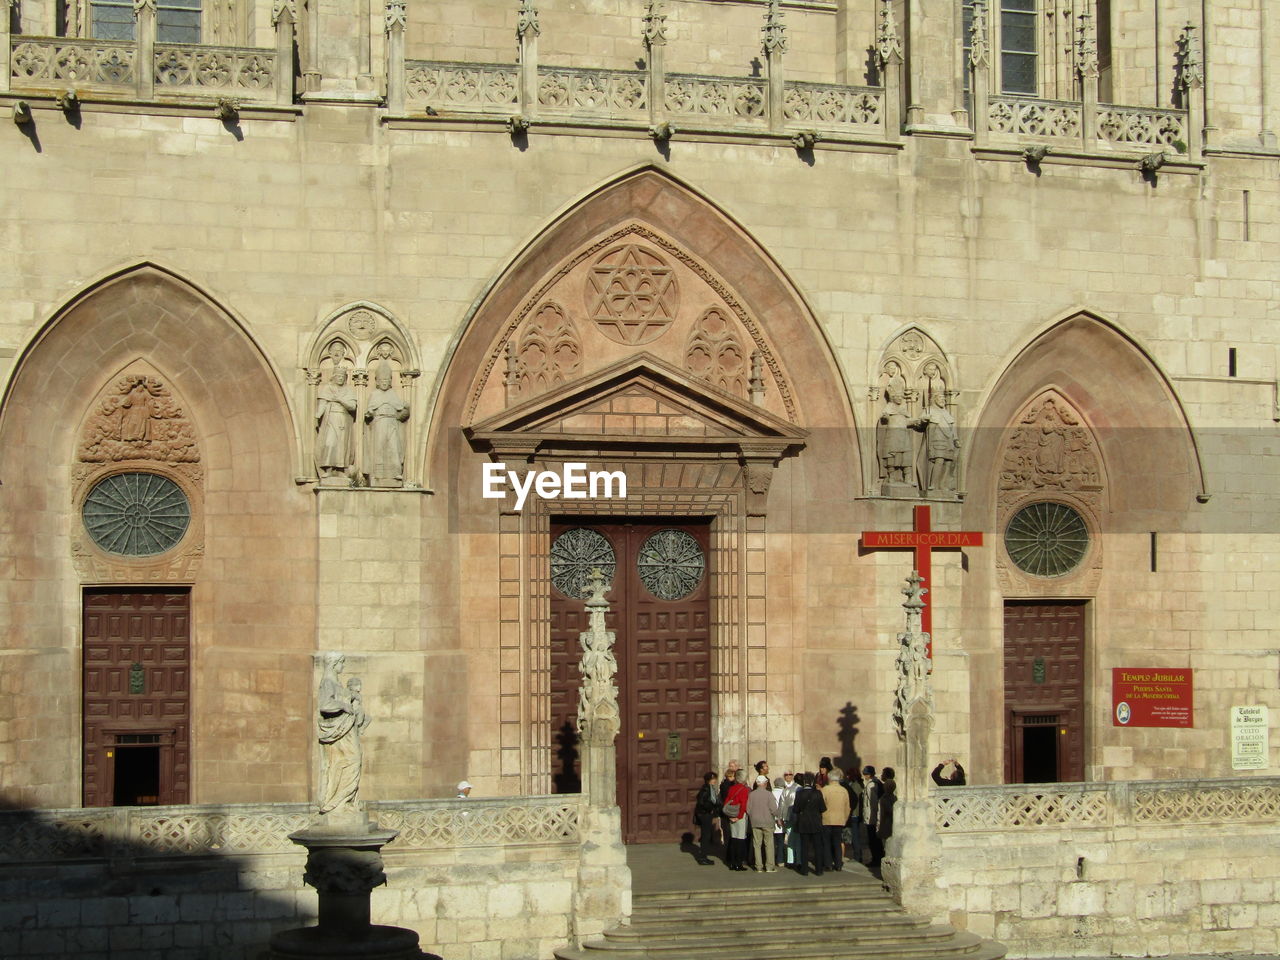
[(957, 778), (872, 790), (705, 808), (808, 810), (888, 797)]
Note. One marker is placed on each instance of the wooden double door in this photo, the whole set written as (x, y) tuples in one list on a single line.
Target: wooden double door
[(137, 690), (1044, 691), (659, 609)]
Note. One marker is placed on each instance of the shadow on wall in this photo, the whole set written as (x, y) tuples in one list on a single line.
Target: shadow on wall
[(89, 883), (847, 732)]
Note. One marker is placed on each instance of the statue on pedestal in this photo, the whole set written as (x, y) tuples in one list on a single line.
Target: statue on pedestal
[(385, 416), (341, 721), (335, 425)]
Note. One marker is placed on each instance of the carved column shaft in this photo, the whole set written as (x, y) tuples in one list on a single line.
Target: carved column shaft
[(1087, 66), (655, 42), (979, 73), (284, 53), (527, 31), (6, 52), (311, 65), (395, 19), (144, 13), (774, 44), (889, 57)]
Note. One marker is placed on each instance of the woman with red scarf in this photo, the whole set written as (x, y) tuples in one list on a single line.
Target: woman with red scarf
[(735, 810)]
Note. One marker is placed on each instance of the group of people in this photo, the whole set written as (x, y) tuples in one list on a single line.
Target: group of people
[(798, 820)]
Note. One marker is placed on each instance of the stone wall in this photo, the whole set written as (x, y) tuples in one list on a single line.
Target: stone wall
[(477, 879), (1124, 868)]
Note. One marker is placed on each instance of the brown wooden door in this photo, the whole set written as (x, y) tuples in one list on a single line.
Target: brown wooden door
[(1044, 691), (137, 668), (664, 676)]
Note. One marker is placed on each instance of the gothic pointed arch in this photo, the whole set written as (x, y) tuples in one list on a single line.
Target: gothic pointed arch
[(646, 331), (1144, 443), (658, 268), (144, 373)]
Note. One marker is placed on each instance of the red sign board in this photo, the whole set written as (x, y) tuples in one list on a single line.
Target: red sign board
[(1151, 697), (879, 539)]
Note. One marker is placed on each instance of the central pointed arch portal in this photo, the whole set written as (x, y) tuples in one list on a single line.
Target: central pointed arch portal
[(645, 333)]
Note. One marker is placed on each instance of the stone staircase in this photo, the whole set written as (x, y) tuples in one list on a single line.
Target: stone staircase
[(780, 917)]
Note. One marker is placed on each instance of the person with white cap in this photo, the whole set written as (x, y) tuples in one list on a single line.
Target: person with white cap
[(762, 810), (464, 790)]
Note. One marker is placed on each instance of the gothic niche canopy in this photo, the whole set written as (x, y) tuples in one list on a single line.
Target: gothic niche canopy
[(913, 405), (361, 377)]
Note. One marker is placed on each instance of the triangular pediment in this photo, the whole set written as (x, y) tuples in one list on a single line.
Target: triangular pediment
[(642, 402)]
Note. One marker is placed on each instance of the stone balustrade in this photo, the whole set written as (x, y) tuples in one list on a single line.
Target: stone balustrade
[(1061, 122), (32, 836), (1119, 803)]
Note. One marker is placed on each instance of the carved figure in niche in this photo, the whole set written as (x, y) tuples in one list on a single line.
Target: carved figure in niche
[(941, 443), (335, 425), (341, 721), (135, 414), (893, 432), (385, 417), (1050, 447), (138, 419)]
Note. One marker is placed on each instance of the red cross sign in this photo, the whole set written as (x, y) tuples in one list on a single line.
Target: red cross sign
[(923, 540)]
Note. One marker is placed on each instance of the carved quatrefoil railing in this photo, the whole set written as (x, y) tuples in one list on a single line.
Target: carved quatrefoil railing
[(1061, 122), (30, 836), (985, 809)]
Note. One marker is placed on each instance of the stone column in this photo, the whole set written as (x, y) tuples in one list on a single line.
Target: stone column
[(144, 15), (527, 31), (395, 25), (1191, 80), (774, 43), (1087, 68), (979, 67), (655, 43), (912, 852), (889, 58), (311, 64), (284, 18), (6, 52), (933, 97), (603, 895)]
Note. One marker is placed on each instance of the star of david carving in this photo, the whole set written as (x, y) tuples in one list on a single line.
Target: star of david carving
[(632, 296)]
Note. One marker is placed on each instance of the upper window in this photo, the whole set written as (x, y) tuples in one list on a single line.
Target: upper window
[(177, 21), (1013, 33)]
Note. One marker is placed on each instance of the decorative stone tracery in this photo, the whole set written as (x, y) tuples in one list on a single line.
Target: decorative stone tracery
[(715, 353), (549, 352), (632, 294)]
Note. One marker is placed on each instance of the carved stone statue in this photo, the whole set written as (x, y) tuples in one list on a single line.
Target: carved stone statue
[(335, 425), (598, 718), (941, 445), (893, 436), (914, 694), (341, 721), (384, 440)]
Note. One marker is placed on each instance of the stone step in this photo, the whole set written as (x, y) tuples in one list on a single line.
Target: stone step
[(835, 942)]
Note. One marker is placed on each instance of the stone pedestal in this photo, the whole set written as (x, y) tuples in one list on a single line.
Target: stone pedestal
[(603, 896), (344, 864), (912, 864)]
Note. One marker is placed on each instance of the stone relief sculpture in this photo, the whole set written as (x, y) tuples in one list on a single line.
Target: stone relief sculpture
[(385, 416), (341, 721), (941, 445), (894, 446), (1050, 448), (598, 718), (918, 452), (335, 415), (138, 419), (359, 342), (914, 691)]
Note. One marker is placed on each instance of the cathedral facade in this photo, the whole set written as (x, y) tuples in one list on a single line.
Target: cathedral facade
[(377, 328)]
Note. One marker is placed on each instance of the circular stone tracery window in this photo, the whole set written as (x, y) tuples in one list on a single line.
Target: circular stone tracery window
[(671, 564), (136, 514), (1046, 539), (574, 554)]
